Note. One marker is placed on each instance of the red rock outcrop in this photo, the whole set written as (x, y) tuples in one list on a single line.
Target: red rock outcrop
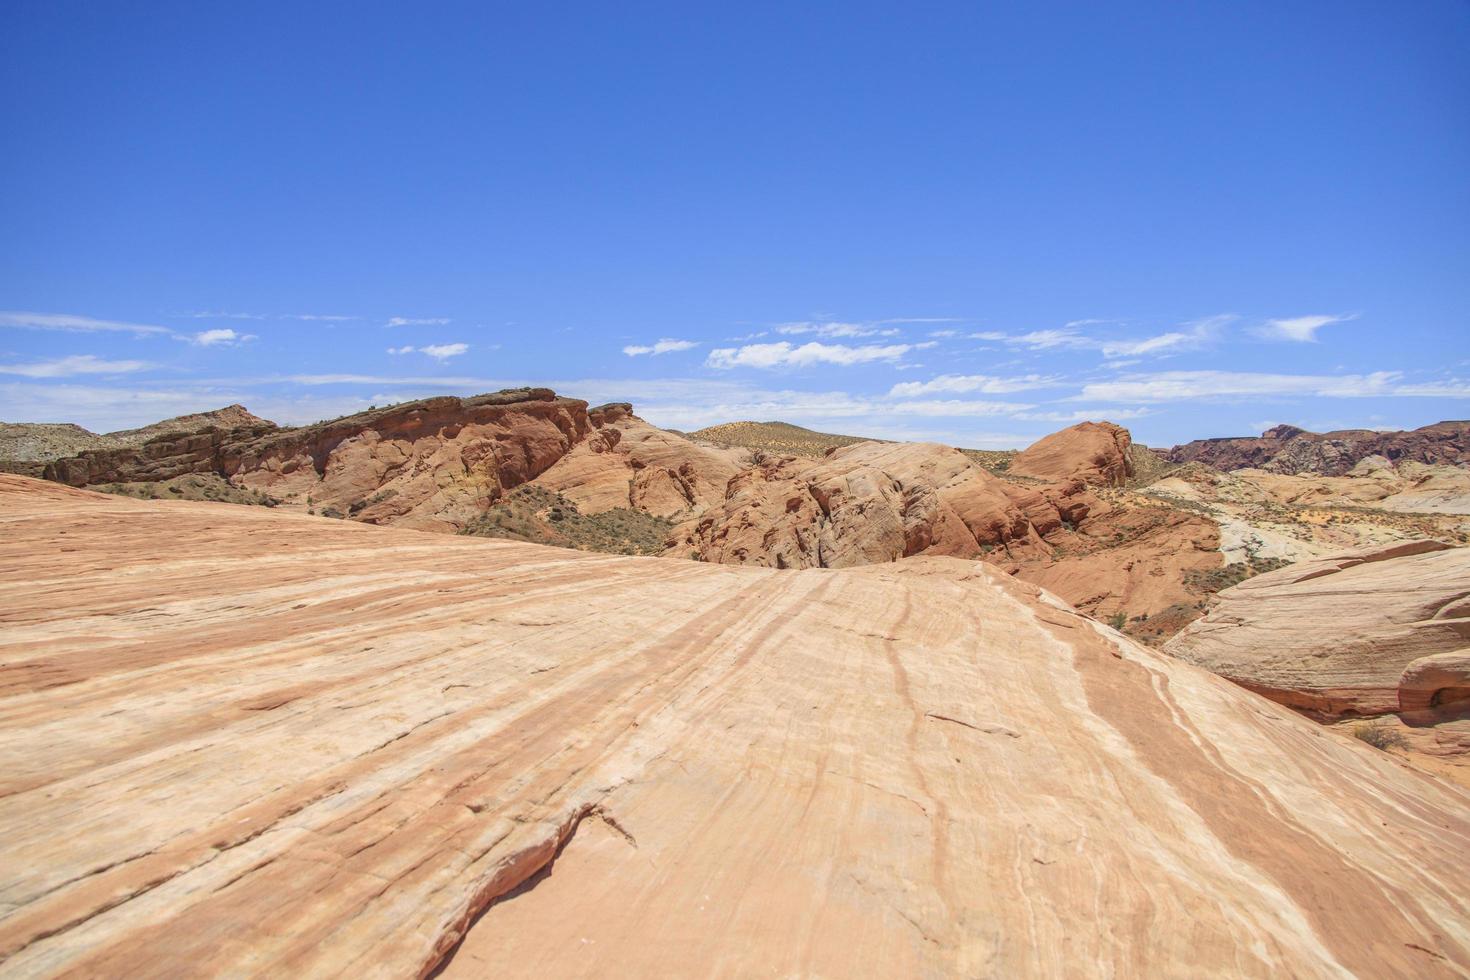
[(1287, 449), (1334, 636), (432, 464), (628, 463), (876, 502), (1094, 452), (238, 741), (880, 502)]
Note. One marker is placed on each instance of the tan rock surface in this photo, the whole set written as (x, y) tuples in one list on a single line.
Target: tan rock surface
[(629, 463), (237, 741), (1333, 636), (1093, 452)]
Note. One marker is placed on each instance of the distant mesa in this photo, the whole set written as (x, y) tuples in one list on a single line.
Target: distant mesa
[(1288, 449), (38, 443)]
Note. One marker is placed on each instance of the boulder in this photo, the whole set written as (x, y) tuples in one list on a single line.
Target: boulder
[(1094, 452), (1335, 636)]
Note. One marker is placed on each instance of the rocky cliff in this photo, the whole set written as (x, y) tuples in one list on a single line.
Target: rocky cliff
[(435, 463), (237, 741), (1287, 449)]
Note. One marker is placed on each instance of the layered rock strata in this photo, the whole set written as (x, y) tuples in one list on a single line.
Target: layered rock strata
[(237, 741)]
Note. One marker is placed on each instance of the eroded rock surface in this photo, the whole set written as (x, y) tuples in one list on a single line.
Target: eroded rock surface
[(1334, 635), (237, 741), (434, 464), (1093, 452), (628, 463)]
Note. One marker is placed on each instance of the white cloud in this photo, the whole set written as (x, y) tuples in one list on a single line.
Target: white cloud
[(439, 352), (944, 333), (953, 408), (65, 367), (960, 383), (410, 321), (77, 324), (1196, 334), (1189, 385), (1300, 329), (443, 352), (1087, 415), (220, 337), (839, 329), (224, 315), (785, 354), (665, 346)]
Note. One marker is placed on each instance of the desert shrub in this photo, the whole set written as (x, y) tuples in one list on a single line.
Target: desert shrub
[(1118, 620), (1378, 735)]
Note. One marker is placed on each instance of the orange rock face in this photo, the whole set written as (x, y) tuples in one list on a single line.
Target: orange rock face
[(1093, 452), (628, 463), (237, 741), (433, 464), (1336, 636), (876, 502)]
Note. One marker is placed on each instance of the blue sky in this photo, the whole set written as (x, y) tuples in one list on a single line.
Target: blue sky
[(973, 222)]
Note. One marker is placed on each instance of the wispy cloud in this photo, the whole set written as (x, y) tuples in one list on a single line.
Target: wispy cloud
[(65, 367), (1193, 385), (1300, 329), (784, 354), (420, 321), (224, 315), (1040, 339), (952, 408), (1087, 414), (75, 324), (826, 329), (220, 337), (962, 383), (1192, 336), (667, 345), (439, 352)]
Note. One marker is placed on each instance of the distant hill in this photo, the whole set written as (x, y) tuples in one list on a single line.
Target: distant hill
[(1288, 449), (39, 442), (782, 438)]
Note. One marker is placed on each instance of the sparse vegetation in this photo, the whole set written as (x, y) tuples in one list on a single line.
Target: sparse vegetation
[(780, 438), (197, 486), (1379, 735), (1118, 620), (535, 514), (1219, 579)]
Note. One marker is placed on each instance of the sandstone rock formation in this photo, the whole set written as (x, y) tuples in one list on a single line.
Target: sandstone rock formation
[(879, 502), (434, 464), (26, 447), (628, 463), (1435, 681), (237, 741), (876, 502), (1287, 449), (1334, 636), (1093, 452)]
